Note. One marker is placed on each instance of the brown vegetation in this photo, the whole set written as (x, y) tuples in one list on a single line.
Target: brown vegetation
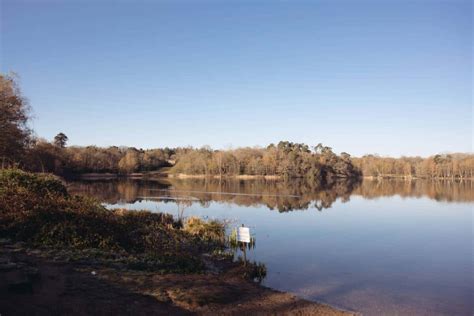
[(37, 209), (14, 115), (48, 157), (286, 160), (447, 166)]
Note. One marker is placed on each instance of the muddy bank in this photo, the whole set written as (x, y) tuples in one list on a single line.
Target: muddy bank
[(34, 284)]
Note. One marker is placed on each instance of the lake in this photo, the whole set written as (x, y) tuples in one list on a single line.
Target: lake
[(382, 247)]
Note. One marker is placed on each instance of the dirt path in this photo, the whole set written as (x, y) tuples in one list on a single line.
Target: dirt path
[(30, 285)]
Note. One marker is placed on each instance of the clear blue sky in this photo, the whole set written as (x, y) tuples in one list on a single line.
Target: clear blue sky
[(387, 77)]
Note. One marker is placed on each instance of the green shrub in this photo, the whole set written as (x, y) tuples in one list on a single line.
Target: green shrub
[(37, 209), (41, 184)]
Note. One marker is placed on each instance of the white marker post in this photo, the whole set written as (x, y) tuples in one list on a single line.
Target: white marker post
[(243, 236)]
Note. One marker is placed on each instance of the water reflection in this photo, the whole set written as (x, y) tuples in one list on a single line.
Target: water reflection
[(397, 248), (283, 196), (275, 195), (439, 190)]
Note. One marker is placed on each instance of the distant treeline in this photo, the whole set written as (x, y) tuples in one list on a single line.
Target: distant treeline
[(446, 166), (19, 147), (51, 157), (286, 160)]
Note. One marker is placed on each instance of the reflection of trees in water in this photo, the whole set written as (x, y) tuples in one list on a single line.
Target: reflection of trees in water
[(439, 190), (283, 196), (280, 195), (116, 190)]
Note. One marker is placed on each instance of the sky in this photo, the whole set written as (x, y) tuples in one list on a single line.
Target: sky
[(389, 77)]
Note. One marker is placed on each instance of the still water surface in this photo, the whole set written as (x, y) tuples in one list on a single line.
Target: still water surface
[(385, 247)]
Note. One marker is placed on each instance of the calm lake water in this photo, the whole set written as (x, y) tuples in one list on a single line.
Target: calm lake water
[(387, 247)]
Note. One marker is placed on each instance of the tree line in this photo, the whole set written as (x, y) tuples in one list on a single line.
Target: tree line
[(20, 147), (47, 156), (286, 160), (441, 166)]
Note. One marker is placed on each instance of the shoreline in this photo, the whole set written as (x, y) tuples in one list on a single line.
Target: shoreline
[(410, 178), (157, 174), (34, 282), (164, 175), (91, 260), (240, 177)]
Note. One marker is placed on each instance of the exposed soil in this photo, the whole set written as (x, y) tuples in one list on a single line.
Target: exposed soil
[(31, 284)]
